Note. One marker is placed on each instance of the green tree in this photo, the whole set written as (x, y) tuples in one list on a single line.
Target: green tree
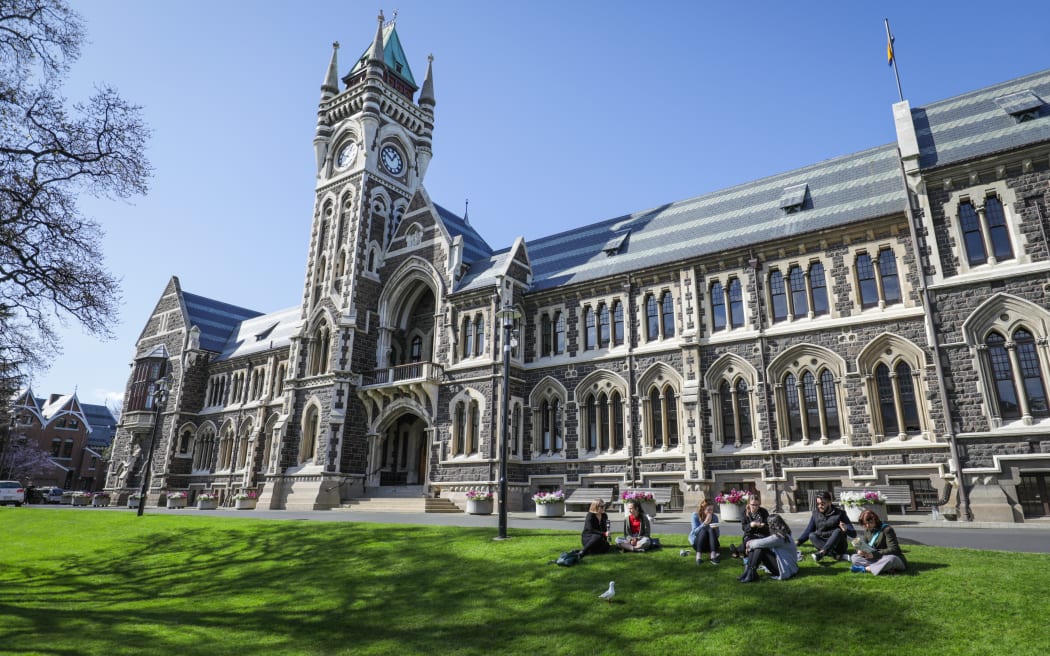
[(51, 152)]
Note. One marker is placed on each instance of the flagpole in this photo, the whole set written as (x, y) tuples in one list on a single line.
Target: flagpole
[(893, 58)]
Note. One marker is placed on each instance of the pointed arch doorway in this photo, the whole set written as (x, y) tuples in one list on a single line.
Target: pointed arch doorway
[(401, 453)]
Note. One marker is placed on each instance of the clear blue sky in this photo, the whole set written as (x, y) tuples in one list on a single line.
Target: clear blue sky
[(549, 115)]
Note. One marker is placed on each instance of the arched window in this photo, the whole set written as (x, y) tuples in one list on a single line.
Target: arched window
[(603, 326), (604, 412), (468, 337), (725, 394), (799, 296), (778, 296), (663, 417), (515, 430), (736, 303), (973, 240), (592, 423), (656, 420), (184, 441), (667, 315), (417, 349), (718, 307), (794, 410), (459, 429), (616, 408), (590, 338), (479, 335), (1026, 376), (550, 426), (891, 286), (559, 333), (652, 319), (887, 401), (997, 230), (474, 436), (830, 406), (308, 445), (617, 333), (878, 280), (819, 287), (869, 291), (743, 410)]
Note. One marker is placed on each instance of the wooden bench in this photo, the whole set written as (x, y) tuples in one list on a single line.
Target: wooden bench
[(896, 495), (661, 495), (583, 496)]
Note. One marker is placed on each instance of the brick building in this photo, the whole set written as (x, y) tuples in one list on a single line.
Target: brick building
[(75, 435), (876, 318)]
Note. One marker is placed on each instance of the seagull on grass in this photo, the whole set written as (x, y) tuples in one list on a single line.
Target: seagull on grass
[(610, 593)]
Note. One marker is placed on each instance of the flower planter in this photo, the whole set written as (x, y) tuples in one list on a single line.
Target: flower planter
[(479, 506), (177, 502), (853, 512), (207, 504), (81, 501), (100, 501), (244, 504), (730, 512), (133, 502), (550, 509)]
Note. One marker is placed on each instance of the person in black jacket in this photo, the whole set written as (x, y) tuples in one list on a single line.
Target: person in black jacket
[(754, 524), (828, 529), (595, 535)]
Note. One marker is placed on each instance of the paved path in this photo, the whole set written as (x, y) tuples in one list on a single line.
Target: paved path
[(1032, 536)]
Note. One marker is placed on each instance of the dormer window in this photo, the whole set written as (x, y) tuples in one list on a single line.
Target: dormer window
[(793, 198), (615, 245), (1023, 105)]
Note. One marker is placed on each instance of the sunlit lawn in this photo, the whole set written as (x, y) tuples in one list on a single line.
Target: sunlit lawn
[(91, 581)]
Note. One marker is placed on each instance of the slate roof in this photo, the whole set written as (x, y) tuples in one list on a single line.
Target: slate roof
[(215, 319), (974, 125), (474, 247), (102, 422), (840, 191), (262, 333)]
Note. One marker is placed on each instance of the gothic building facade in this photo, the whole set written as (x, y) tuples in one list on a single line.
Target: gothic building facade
[(877, 318)]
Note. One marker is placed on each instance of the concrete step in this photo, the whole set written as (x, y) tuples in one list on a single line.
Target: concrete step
[(401, 505)]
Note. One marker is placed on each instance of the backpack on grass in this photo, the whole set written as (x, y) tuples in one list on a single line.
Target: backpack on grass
[(568, 558)]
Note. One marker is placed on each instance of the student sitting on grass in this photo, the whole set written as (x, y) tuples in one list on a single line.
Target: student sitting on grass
[(754, 524), (879, 552), (595, 535), (635, 529), (704, 533), (775, 553), (827, 530)]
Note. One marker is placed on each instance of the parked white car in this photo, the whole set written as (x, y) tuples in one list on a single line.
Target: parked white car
[(12, 492)]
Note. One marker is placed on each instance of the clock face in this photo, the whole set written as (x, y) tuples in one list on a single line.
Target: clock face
[(392, 160), (346, 155)]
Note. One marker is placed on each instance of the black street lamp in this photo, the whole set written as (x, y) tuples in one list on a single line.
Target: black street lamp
[(160, 396), (508, 315)]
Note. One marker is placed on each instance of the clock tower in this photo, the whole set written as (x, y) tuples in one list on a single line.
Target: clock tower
[(372, 147)]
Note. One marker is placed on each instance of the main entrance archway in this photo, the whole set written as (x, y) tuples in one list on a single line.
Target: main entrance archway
[(399, 454)]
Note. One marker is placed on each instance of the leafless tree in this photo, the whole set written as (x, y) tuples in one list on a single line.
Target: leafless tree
[(52, 152)]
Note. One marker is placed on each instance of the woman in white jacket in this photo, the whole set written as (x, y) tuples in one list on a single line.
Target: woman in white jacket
[(777, 553)]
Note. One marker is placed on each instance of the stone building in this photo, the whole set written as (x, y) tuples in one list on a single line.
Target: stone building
[(877, 318)]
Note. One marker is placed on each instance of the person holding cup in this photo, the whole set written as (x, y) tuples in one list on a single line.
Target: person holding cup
[(704, 533)]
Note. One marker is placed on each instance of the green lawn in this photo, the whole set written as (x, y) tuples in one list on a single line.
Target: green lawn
[(105, 582)]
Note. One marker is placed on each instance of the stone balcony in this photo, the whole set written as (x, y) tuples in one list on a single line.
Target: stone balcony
[(418, 381)]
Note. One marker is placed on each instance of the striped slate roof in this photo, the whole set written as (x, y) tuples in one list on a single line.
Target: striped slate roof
[(262, 333), (839, 191), (974, 125), (216, 320), (474, 247)]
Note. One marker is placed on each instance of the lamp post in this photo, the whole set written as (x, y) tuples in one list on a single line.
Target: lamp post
[(507, 314), (160, 395)]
